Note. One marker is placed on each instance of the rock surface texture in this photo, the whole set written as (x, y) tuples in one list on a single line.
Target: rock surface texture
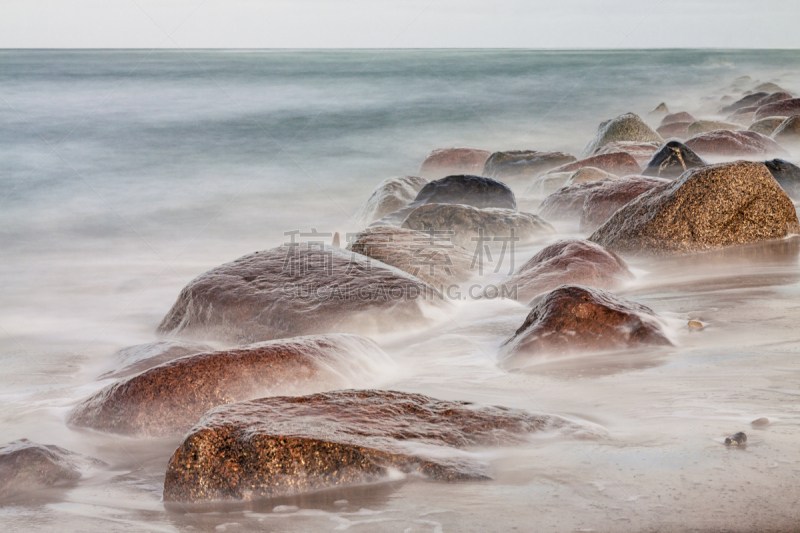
[(782, 108), (523, 163), (787, 175), (135, 359), (450, 161), (389, 196), (724, 143), (788, 133), (766, 126), (627, 127), (618, 163)]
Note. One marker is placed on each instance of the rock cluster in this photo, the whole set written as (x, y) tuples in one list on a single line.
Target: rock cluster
[(390, 195)]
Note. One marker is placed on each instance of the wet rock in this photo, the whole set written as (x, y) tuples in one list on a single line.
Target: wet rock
[(769, 87), (788, 132), (549, 183), (782, 108), (619, 163), (675, 118), (283, 446), (295, 290), (737, 439), (641, 152), (573, 319), (766, 126), (745, 101), (569, 261), (742, 117), (587, 174), (774, 97), (451, 161), (760, 422), (695, 324), (605, 200), (476, 191), (703, 126), (470, 224), (170, 398), (627, 127), (432, 257), (706, 208), (523, 163), (389, 196), (787, 175), (725, 143), (135, 359), (678, 130), (672, 160)]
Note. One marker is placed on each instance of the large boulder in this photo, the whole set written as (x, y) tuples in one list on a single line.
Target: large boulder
[(604, 201), (641, 152), (745, 101), (766, 126), (774, 97), (703, 126), (627, 127), (390, 195), (788, 133), (787, 175), (295, 290), (284, 446), (782, 108), (618, 163), (569, 261), (573, 318), (476, 191), (679, 130), (725, 143), (523, 163), (470, 225), (675, 118), (672, 160), (707, 208), (450, 161), (135, 359), (431, 256), (170, 398)]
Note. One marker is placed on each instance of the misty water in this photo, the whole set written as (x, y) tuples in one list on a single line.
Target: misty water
[(124, 175)]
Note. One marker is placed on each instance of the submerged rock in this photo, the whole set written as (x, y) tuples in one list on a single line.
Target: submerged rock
[(170, 398), (549, 183), (672, 160), (737, 439), (675, 118), (450, 161), (569, 261), (707, 208), (703, 126), (627, 127), (135, 359), (734, 144), (782, 108), (760, 422), (389, 196), (523, 163), (788, 133), (766, 126), (787, 175), (659, 111), (745, 101), (295, 290), (283, 446), (678, 130), (769, 87), (573, 319), (471, 225), (618, 163), (641, 152)]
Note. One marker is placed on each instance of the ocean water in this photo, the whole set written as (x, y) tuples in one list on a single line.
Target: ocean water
[(125, 174)]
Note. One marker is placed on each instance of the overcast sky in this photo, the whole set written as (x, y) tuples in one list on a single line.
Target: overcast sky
[(399, 23)]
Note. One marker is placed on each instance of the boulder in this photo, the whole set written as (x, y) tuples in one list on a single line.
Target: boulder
[(787, 175), (766, 126), (706, 208), (726, 143), (745, 101), (135, 359), (587, 174), (549, 183), (295, 290), (573, 318), (641, 152), (672, 160), (476, 191), (389, 196), (782, 108), (741, 117), (769, 87), (523, 163), (674, 118), (470, 224), (788, 132), (170, 398), (605, 200), (679, 130), (432, 257), (274, 447), (660, 110), (569, 261), (703, 126), (619, 163), (774, 97), (450, 161), (627, 127)]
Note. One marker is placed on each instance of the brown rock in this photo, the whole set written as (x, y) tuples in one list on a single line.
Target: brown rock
[(641, 151), (573, 319), (706, 208), (769, 87), (587, 174), (746, 101), (619, 163), (449, 161), (774, 97), (734, 144), (679, 130), (672, 160), (170, 398), (605, 200), (766, 126), (523, 164), (703, 126), (283, 446), (788, 133), (135, 359), (675, 118), (389, 196), (782, 108)]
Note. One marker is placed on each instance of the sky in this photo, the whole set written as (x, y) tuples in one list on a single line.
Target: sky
[(399, 24)]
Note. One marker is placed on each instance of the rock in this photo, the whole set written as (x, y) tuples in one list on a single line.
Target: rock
[(774, 97), (769, 87), (787, 175), (627, 127), (27, 466), (706, 208), (433, 258), (274, 447), (679, 130), (725, 143), (741, 117), (659, 111), (695, 324), (766, 126), (619, 163), (672, 160), (295, 290), (476, 191), (574, 319), (737, 439), (760, 422), (587, 174), (135, 359), (641, 152), (549, 183), (782, 108), (605, 200), (745, 101), (523, 163), (468, 223), (569, 261), (788, 133), (389, 196), (675, 118), (703, 126), (451, 161), (170, 398)]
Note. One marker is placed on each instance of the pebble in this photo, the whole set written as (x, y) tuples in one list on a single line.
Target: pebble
[(696, 324), (736, 439)]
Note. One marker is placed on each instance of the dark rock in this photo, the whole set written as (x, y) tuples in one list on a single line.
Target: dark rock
[(605, 200), (641, 152), (283, 446), (627, 127), (672, 160), (523, 163), (745, 101), (674, 118), (619, 163), (135, 359), (295, 290), (782, 108), (788, 133), (679, 130), (573, 319), (737, 439), (727, 143), (570, 261), (774, 97), (706, 208), (170, 398), (389, 196), (787, 175), (450, 161), (766, 126), (703, 126)]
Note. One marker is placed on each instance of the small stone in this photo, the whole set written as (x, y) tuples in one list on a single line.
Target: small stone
[(737, 439), (695, 324), (760, 422)]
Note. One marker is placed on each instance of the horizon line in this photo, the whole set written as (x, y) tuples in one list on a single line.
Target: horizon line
[(424, 48)]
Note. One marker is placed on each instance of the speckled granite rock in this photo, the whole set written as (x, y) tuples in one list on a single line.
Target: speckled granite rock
[(787, 175), (283, 446), (675, 118), (672, 160), (745, 101), (569, 261), (627, 127), (679, 130), (703, 126), (451, 161), (788, 133), (766, 126), (573, 318), (170, 398), (389, 196), (641, 152), (523, 163), (782, 108), (618, 163), (706, 208), (725, 143)]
